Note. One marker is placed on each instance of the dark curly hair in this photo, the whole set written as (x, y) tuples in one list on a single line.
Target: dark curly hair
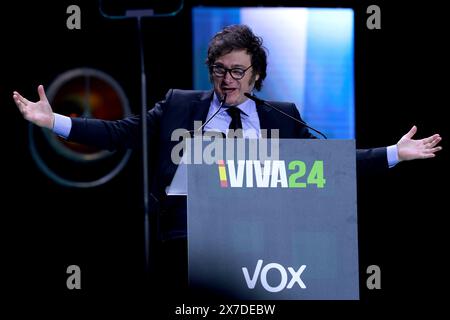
[(239, 37)]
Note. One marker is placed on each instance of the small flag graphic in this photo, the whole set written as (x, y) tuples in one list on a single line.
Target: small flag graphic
[(222, 174)]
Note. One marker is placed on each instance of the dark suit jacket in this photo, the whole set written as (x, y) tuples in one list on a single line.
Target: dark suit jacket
[(179, 110)]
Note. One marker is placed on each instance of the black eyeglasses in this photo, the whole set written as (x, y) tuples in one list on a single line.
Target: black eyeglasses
[(221, 71)]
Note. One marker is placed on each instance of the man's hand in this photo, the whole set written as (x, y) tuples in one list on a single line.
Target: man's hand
[(40, 113), (409, 149)]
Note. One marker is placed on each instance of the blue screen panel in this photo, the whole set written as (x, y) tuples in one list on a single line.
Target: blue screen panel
[(310, 59)]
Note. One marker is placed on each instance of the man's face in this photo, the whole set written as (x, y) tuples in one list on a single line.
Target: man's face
[(226, 84)]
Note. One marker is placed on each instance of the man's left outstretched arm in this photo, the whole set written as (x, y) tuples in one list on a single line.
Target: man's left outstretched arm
[(410, 149)]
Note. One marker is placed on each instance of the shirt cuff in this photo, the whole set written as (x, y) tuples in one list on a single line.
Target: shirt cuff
[(392, 155), (62, 125)]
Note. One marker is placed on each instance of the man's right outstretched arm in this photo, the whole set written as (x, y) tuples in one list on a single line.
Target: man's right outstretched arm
[(109, 135), (40, 113)]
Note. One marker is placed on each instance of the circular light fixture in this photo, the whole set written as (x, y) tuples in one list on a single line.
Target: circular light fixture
[(87, 93)]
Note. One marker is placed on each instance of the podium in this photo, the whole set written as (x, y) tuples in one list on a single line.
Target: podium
[(285, 227)]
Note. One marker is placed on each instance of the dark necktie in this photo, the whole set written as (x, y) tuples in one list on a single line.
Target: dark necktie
[(236, 122)]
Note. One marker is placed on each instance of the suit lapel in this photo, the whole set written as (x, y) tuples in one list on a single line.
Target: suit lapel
[(265, 120), (198, 109)]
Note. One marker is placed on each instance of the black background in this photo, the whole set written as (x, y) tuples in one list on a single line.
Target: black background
[(401, 73)]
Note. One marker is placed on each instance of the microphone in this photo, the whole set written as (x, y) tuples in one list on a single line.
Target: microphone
[(263, 102), (222, 102)]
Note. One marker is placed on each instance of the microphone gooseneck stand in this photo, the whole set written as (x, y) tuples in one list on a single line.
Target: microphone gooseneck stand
[(139, 15), (264, 102)]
